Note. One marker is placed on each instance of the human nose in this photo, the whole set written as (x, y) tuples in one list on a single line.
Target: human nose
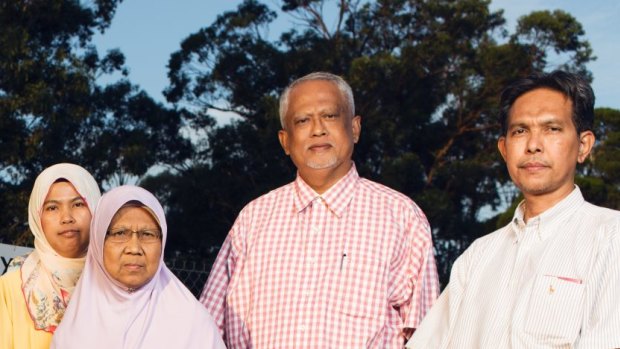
[(67, 216), (534, 143), (318, 127), (133, 246)]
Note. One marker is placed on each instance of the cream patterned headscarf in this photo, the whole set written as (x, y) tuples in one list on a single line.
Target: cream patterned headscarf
[(48, 279)]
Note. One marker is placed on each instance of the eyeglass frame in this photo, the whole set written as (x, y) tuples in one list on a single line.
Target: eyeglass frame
[(113, 237)]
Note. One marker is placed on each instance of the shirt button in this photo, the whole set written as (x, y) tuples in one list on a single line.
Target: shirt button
[(316, 230), (302, 328), (311, 260)]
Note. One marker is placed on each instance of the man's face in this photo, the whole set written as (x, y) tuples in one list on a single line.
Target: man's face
[(319, 133), (541, 147)]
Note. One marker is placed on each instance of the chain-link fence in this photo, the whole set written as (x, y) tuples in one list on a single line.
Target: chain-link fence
[(193, 274)]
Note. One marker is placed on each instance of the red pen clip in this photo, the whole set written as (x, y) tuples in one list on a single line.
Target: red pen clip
[(573, 280)]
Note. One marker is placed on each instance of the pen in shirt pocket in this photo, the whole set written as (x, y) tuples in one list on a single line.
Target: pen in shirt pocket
[(345, 238), (564, 278)]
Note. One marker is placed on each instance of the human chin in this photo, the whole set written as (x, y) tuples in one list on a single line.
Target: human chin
[(322, 163), (535, 187)]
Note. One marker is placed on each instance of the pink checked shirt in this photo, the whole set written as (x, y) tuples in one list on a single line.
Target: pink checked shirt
[(351, 268)]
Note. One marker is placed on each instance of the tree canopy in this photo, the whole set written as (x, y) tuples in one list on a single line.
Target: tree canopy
[(53, 109), (426, 76)]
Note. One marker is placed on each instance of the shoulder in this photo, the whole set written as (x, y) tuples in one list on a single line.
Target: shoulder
[(380, 190), (603, 215), (269, 200), (387, 196), (17, 262), (491, 239), (11, 281), (483, 245), (256, 213), (604, 220), (472, 259)]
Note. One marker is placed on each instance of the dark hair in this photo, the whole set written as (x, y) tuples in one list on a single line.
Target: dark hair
[(573, 86)]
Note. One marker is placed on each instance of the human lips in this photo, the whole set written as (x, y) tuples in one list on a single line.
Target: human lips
[(133, 266), (69, 233), (319, 147), (533, 166)]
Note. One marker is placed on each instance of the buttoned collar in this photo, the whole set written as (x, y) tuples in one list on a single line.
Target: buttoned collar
[(336, 198), (544, 223)]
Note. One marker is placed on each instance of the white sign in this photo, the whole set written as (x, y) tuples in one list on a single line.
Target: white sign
[(7, 252)]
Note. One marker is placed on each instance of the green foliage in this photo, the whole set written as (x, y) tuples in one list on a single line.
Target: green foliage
[(53, 110), (600, 181), (426, 77), (557, 31)]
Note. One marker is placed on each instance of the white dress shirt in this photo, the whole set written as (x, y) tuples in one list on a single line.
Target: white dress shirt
[(553, 282)]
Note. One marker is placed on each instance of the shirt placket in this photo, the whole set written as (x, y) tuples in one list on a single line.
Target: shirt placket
[(313, 232), (525, 239), (524, 246)]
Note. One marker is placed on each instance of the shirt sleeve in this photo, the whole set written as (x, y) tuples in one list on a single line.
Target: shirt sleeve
[(602, 324), (430, 332), (413, 284), (436, 326), (213, 295)]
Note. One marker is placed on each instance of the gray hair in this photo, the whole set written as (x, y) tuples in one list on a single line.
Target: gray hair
[(342, 85)]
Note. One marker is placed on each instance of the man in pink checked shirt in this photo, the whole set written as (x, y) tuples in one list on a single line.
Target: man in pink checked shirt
[(551, 277), (330, 260)]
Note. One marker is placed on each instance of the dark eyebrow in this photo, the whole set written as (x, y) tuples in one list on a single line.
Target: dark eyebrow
[(546, 121), (518, 124)]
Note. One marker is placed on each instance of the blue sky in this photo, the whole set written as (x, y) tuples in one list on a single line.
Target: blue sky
[(148, 31)]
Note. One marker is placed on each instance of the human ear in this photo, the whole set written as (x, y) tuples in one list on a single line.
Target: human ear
[(501, 146), (356, 126), (283, 137), (586, 143)]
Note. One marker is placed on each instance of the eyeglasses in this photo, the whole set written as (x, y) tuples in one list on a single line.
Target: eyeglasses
[(124, 235)]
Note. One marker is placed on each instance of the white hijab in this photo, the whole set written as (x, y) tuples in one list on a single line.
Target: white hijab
[(48, 279)]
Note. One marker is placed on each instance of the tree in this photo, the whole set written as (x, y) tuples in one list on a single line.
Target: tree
[(426, 76), (53, 109), (599, 179)]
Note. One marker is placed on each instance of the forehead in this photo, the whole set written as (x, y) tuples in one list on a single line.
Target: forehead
[(541, 102), (133, 214), (312, 92), (61, 188)]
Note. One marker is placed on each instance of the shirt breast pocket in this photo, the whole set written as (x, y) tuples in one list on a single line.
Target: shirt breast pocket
[(555, 310), (361, 287)]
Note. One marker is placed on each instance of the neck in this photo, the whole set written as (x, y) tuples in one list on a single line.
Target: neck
[(321, 180), (537, 204)]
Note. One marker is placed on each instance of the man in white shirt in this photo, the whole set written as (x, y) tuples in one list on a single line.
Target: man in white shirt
[(551, 277)]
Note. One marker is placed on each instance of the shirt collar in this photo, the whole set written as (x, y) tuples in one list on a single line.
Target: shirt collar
[(336, 198), (550, 218)]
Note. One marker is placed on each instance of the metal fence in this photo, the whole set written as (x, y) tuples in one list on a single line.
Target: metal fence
[(193, 274)]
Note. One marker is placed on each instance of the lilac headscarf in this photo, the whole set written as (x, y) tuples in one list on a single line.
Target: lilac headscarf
[(160, 314)]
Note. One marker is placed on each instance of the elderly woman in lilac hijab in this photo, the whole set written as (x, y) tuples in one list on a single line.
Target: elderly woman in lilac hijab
[(127, 297)]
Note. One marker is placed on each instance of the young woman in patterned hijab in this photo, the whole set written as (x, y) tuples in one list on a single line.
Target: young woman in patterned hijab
[(33, 297)]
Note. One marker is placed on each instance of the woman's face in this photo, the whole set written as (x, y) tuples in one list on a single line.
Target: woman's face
[(65, 219), (133, 262)]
